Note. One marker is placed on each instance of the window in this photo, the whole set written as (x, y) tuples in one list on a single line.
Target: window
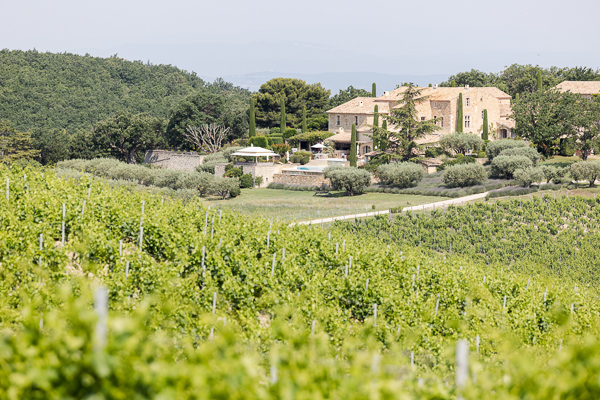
[(467, 121), (356, 120), (338, 120), (422, 118), (503, 134), (481, 99), (435, 105), (468, 102)]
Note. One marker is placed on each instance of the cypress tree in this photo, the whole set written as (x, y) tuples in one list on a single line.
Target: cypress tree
[(352, 156), (304, 128), (374, 90), (375, 128), (453, 83), (485, 133), (539, 81), (282, 124), (252, 118), (383, 129), (430, 85), (459, 118)]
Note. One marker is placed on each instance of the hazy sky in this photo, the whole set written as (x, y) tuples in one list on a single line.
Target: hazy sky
[(222, 38)]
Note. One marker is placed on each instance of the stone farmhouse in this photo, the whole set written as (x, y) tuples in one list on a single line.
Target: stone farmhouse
[(586, 89), (440, 105)]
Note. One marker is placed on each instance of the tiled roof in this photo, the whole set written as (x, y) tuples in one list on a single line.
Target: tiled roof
[(359, 105), (581, 87), (344, 137)]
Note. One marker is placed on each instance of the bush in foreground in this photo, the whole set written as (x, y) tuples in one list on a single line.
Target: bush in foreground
[(505, 166), (528, 152), (402, 175), (351, 179), (464, 175)]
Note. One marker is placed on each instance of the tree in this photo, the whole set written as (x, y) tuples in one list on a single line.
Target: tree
[(125, 134), (587, 127), (485, 133), (461, 143), (282, 124), (586, 171), (459, 118), (380, 138), (544, 117), (352, 156), (464, 175), (252, 128), (53, 144), (207, 107), (15, 145), (406, 125), (402, 175), (207, 138), (304, 125), (224, 187), (375, 127), (297, 94), (453, 83), (352, 180), (346, 95), (539, 85), (374, 90), (473, 78)]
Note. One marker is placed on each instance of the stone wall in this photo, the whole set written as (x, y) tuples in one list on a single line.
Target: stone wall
[(187, 161), (301, 178), (266, 170)]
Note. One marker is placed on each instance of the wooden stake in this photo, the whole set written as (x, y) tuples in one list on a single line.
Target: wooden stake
[(101, 308)]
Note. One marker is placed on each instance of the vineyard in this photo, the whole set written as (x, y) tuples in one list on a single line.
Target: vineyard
[(545, 234), (114, 294)]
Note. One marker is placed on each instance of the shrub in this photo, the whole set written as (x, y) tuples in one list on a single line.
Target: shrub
[(289, 132), (402, 175), (198, 181), (277, 140), (275, 130), (586, 171), (351, 179), (434, 152), (208, 165), (567, 147), (528, 152), (527, 176), (310, 137), (281, 149), (167, 178), (246, 181), (233, 172), (261, 141), (552, 173), (494, 148), (481, 154), (224, 187), (461, 142), (235, 191), (464, 175), (505, 166), (460, 159), (258, 180)]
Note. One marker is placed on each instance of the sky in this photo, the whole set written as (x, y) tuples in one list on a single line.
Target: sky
[(235, 38)]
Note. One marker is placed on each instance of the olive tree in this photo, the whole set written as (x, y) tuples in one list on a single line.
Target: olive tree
[(461, 143), (403, 175), (586, 171), (351, 179)]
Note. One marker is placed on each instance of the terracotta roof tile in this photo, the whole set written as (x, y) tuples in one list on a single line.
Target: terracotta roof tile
[(359, 105), (581, 87)]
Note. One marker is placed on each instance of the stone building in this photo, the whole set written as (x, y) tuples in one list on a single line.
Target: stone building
[(440, 105), (587, 89)]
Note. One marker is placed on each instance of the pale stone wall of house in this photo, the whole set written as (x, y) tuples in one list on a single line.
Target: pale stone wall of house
[(346, 121), (187, 161), (266, 170)]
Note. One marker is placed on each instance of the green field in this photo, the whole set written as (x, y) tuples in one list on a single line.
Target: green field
[(302, 205)]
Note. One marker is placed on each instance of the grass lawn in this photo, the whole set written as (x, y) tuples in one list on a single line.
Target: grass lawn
[(302, 205), (560, 161)]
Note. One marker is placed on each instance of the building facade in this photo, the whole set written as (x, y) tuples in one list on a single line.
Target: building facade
[(439, 104)]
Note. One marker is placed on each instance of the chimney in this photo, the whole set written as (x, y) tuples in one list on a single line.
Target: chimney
[(386, 93), (435, 86), (361, 103), (467, 87)]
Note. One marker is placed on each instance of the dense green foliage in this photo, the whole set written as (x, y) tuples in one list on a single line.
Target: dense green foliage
[(527, 176), (461, 143), (528, 152), (505, 166), (352, 157), (586, 171), (462, 175), (15, 145), (252, 123), (302, 326), (459, 118), (352, 180), (485, 132), (72, 92), (495, 147), (402, 175)]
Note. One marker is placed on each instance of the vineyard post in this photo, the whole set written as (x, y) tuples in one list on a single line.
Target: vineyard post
[(462, 363), (560, 346), (268, 239), (7, 188), (203, 264), (283, 255), (527, 287), (477, 343), (212, 333), (329, 236), (312, 327), (220, 214), (337, 247), (121, 248), (101, 308), (367, 286), (418, 268), (413, 282), (89, 192), (504, 304), (344, 246), (83, 208), (205, 222), (375, 314), (437, 305), (63, 225), (41, 241), (412, 358), (141, 237), (571, 308), (220, 243), (126, 269), (214, 305), (273, 266)]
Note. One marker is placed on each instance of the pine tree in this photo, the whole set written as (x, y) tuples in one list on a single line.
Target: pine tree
[(540, 87), (374, 90), (485, 133), (459, 118), (376, 128), (453, 83), (282, 124), (304, 128), (352, 156), (252, 118)]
